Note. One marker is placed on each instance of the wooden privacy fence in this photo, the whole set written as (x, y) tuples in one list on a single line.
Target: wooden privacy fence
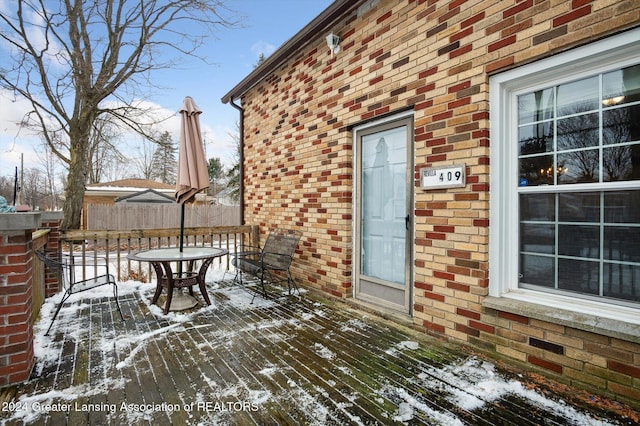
[(89, 247), (152, 216)]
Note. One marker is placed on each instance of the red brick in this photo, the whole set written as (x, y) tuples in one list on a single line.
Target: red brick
[(467, 330), (620, 367), (513, 317), (571, 16), (423, 286), (472, 20), (467, 313), (501, 43), (548, 365), (482, 327), (461, 51), (517, 8), (457, 286), (384, 17), (434, 296), (435, 327), (427, 72), (461, 34), (499, 64), (444, 275), (459, 254)]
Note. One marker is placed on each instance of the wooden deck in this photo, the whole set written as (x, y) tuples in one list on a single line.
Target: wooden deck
[(283, 361)]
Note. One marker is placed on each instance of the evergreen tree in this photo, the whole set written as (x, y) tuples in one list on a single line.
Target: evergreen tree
[(164, 163), (214, 167)]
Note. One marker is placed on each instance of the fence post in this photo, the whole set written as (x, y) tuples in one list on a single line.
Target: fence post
[(255, 235)]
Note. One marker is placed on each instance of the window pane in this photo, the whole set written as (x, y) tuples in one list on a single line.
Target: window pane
[(618, 164), (579, 207), (622, 207), (580, 276), (578, 96), (579, 241), (537, 238), (536, 170), (622, 243), (536, 106), (622, 281), (537, 270), (621, 86), (578, 167), (537, 207), (621, 125), (581, 131), (535, 138)]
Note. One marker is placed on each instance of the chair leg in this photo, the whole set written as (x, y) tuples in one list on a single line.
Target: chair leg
[(55, 315), (264, 290), (235, 278), (290, 282), (115, 295)]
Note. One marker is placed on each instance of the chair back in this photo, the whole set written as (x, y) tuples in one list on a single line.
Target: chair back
[(279, 248), (60, 268)]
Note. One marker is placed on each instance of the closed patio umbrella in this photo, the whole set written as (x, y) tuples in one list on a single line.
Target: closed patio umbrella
[(192, 176)]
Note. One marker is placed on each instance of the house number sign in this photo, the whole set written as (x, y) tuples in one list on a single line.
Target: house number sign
[(443, 177)]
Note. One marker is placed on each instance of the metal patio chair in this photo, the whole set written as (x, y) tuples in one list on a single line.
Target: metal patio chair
[(66, 276), (275, 256)]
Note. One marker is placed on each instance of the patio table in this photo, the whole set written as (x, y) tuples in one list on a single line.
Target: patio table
[(161, 260)]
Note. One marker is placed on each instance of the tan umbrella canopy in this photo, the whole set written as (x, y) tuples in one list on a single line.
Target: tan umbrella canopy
[(193, 175)]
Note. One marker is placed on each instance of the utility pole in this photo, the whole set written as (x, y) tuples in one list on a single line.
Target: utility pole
[(21, 178)]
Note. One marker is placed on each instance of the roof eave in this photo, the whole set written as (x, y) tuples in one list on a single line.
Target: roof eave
[(326, 19)]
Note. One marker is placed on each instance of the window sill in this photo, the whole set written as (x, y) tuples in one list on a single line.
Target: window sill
[(617, 322)]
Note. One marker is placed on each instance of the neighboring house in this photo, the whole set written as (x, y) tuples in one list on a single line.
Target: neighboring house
[(148, 196), (437, 119)]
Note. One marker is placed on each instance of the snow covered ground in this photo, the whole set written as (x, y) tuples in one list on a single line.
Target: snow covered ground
[(464, 389)]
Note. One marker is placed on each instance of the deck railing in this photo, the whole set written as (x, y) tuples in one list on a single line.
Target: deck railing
[(90, 247), (39, 239)]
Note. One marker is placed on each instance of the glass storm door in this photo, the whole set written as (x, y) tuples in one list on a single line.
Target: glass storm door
[(383, 215)]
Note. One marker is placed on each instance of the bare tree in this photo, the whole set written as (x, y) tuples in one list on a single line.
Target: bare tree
[(104, 155), (76, 61), (144, 162), (233, 174), (48, 161)]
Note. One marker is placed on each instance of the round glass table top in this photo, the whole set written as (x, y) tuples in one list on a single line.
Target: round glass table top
[(174, 254)]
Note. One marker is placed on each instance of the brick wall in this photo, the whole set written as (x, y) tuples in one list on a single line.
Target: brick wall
[(16, 305), (434, 57), (17, 289)]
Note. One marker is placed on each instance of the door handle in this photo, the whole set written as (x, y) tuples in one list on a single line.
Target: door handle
[(407, 220)]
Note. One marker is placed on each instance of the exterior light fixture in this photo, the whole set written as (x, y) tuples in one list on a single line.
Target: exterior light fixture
[(333, 42)]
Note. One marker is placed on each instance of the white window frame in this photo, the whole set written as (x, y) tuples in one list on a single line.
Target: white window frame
[(612, 53)]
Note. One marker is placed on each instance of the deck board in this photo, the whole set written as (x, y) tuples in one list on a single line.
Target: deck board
[(286, 360)]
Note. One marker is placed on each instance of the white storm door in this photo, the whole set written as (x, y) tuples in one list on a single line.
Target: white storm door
[(383, 214)]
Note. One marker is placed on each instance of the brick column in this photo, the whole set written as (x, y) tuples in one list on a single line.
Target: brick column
[(16, 296), (51, 221)]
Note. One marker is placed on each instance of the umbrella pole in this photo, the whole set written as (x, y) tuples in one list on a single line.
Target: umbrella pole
[(181, 242), (182, 228)]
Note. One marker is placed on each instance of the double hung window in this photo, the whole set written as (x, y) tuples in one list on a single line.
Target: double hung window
[(565, 182)]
